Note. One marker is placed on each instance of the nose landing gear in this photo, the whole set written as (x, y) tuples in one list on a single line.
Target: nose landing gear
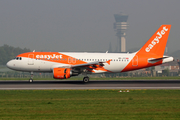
[(31, 79)]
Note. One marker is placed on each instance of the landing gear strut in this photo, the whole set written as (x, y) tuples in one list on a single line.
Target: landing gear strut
[(86, 79), (31, 79)]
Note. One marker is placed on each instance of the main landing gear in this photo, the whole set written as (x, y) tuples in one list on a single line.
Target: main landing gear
[(86, 79), (31, 78)]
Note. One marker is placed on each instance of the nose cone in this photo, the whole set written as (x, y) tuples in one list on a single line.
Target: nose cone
[(15, 65), (9, 64)]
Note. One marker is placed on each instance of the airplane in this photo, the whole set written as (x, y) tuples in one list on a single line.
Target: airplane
[(64, 65)]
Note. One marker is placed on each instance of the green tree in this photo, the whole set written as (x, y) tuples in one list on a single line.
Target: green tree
[(8, 52)]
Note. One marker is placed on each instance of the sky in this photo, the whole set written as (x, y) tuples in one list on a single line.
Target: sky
[(85, 25)]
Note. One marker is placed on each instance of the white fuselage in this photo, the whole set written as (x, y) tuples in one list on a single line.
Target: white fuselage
[(118, 62)]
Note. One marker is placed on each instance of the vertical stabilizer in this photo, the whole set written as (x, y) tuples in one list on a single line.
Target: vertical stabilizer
[(157, 43), (152, 52)]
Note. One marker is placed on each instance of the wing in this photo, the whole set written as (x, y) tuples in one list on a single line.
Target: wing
[(86, 67), (90, 67), (91, 64)]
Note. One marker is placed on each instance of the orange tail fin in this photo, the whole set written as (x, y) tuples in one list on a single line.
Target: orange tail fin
[(152, 52), (157, 43)]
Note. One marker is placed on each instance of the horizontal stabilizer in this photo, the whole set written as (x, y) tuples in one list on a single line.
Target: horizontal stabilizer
[(165, 58)]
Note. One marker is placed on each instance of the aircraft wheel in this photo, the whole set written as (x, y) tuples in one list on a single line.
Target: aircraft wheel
[(30, 80), (86, 79)]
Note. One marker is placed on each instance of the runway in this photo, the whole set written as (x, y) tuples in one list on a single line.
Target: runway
[(66, 84)]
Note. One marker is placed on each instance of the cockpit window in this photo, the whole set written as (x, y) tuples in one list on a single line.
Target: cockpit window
[(18, 58)]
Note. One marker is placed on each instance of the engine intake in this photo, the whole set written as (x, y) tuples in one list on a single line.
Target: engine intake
[(62, 73)]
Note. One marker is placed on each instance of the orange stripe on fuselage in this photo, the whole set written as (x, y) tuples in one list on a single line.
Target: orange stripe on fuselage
[(58, 58), (53, 57)]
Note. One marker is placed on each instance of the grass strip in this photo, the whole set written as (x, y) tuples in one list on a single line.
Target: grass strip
[(90, 104)]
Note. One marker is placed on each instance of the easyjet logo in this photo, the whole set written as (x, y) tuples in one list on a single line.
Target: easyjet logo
[(49, 56), (156, 39)]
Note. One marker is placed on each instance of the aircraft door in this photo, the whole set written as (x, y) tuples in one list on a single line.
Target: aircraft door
[(135, 61), (31, 59)]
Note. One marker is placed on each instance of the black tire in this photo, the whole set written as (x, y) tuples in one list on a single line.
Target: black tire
[(86, 79)]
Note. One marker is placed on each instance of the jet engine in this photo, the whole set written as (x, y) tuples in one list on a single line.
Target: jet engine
[(62, 73)]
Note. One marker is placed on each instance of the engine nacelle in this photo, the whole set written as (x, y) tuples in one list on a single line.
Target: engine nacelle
[(62, 73)]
